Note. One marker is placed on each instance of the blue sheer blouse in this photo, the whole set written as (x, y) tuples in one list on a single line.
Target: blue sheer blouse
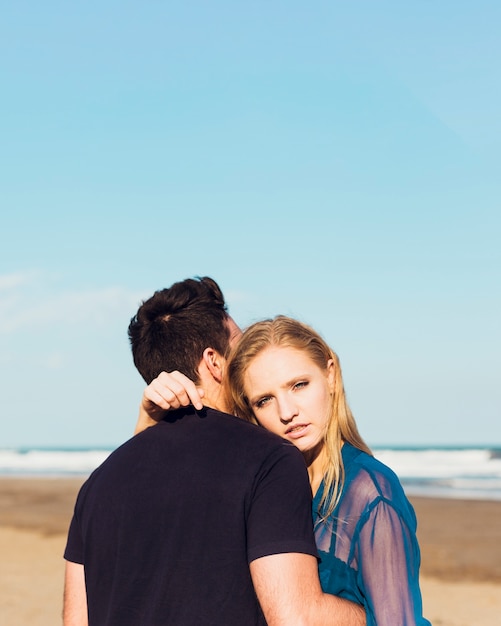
[(368, 547)]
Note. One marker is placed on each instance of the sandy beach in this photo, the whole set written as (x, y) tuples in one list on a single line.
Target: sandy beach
[(460, 545)]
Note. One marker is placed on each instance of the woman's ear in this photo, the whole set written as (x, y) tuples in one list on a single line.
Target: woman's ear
[(214, 363), (331, 376)]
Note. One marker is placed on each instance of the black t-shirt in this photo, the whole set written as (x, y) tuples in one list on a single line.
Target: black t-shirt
[(167, 525)]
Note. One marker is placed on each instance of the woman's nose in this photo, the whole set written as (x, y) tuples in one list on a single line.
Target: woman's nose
[(287, 410)]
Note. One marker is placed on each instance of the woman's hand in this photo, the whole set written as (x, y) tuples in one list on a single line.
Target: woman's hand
[(169, 390)]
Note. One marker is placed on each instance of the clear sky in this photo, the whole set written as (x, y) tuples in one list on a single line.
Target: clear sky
[(334, 161)]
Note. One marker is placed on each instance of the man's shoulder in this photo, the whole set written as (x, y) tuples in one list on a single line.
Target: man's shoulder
[(231, 420), (247, 429), (251, 438), (210, 434)]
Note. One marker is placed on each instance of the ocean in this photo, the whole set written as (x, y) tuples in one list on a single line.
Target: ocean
[(450, 472)]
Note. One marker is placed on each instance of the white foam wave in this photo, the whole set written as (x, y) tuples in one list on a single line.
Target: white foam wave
[(51, 461), (461, 473), (435, 463)]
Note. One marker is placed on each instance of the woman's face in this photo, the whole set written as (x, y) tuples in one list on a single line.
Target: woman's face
[(290, 395)]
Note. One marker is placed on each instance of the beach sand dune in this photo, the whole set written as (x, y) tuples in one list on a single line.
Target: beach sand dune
[(460, 544)]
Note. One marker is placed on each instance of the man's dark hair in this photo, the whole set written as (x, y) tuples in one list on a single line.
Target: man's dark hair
[(172, 329)]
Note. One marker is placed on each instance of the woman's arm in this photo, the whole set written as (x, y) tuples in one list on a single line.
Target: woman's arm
[(169, 390), (388, 562)]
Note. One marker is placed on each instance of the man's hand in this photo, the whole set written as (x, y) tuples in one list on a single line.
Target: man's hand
[(169, 390)]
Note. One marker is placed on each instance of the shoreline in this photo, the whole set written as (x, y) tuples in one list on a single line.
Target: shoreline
[(460, 544)]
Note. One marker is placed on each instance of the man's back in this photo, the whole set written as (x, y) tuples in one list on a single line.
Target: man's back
[(167, 526)]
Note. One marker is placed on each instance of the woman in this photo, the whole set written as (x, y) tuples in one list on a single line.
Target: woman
[(283, 376)]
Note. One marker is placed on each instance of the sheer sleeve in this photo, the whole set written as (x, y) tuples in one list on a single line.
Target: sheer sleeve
[(368, 546), (388, 566)]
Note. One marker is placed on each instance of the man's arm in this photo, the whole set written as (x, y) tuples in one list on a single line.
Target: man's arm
[(75, 597), (288, 589)]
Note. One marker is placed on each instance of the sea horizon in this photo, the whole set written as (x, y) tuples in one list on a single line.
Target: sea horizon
[(448, 471)]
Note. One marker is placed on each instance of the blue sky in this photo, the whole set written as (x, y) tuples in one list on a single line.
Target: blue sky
[(338, 162)]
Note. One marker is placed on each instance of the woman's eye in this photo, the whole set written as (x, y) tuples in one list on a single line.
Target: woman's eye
[(300, 384), (260, 403)]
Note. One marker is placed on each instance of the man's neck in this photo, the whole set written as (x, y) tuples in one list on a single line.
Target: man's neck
[(214, 399)]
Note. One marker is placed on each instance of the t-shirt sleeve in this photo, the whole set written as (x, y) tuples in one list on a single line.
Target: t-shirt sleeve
[(279, 519), (74, 549)]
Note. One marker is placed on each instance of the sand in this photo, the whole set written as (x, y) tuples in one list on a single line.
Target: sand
[(460, 545)]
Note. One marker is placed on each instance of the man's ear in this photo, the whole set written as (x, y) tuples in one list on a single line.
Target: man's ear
[(214, 362)]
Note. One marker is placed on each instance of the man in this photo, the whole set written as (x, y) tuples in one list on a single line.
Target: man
[(203, 519)]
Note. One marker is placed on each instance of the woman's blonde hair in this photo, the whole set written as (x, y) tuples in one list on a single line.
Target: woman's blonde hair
[(286, 332)]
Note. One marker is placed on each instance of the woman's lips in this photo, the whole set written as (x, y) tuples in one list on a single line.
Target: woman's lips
[(296, 431)]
